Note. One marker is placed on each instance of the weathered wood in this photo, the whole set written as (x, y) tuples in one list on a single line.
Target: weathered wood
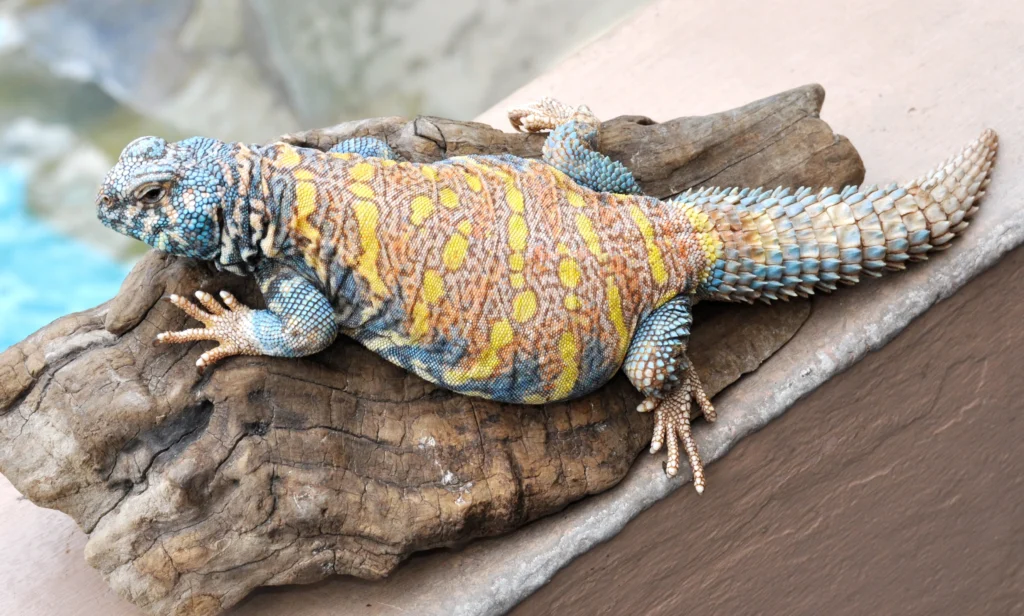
[(195, 489), (776, 141)]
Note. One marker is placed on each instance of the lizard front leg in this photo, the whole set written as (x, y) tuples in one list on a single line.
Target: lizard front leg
[(571, 146), (657, 365), (299, 319)]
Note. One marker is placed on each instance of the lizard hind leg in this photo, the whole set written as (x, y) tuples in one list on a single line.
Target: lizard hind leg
[(657, 365), (572, 145)]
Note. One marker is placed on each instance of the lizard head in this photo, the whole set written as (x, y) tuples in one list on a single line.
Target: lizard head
[(169, 195)]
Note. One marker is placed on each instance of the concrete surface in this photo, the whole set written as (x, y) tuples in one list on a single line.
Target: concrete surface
[(909, 83)]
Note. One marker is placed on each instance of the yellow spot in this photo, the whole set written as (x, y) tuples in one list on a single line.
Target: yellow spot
[(361, 172), (465, 227), (387, 163), (362, 190), (287, 157), (501, 336), (568, 349), (343, 155), (305, 206), (422, 208), (562, 249), (569, 273), (700, 221), (449, 198), (575, 199), (516, 262), (454, 252), (433, 286), (614, 298), (429, 173), (305, 201), (560, 178), (518, 280), (473, 182), (524, 306), (420, 326), (586, 229), (534, 399), (712, 247), (514, 197), (572, 302), (302, 174), (664, 298), (653, 252), (367, 216), (517, 233)]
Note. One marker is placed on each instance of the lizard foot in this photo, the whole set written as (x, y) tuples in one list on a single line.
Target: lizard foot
[(545, 115), (230, 326), (672, 424)]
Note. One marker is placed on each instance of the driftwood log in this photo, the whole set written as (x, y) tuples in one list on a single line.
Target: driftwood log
[(195, 489)]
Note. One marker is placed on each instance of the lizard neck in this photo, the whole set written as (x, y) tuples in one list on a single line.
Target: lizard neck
[(250, 214)]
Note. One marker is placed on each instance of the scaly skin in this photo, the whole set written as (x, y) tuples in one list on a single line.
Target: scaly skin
[(502, 277)]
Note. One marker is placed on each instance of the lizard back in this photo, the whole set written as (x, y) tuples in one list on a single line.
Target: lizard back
[(491, 275)]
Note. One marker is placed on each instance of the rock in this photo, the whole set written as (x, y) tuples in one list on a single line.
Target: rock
[(247, 69), (195, 489)]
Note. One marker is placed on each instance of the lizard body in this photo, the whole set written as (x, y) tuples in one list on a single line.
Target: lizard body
[(508, 278), (492, 276)]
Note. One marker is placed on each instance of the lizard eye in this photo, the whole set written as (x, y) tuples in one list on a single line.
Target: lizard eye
[(151, 194)]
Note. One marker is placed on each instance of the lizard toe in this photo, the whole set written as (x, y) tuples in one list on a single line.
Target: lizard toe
[(228, 324), (672, 417), (543, 115)]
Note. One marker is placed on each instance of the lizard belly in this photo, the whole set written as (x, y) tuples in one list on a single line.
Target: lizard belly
[(534, 371)]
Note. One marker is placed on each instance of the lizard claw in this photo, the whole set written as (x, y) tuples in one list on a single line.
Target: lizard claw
[(230, 326), (544, 115), (672, 417)]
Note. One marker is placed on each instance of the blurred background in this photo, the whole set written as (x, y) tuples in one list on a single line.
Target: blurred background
[(81, 78)]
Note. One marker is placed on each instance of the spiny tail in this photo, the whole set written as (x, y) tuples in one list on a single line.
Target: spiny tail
[(771, 244)]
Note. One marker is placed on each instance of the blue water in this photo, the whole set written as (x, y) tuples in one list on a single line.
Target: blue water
[(43, 274)]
